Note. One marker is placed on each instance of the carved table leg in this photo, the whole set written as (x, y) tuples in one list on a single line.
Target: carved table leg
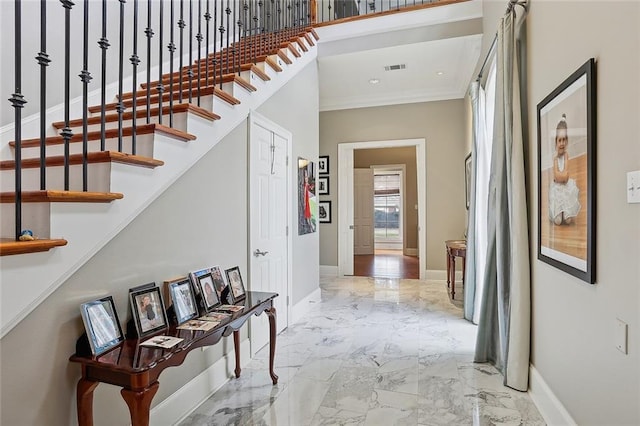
[(139, 404), (236, 346), (84, 397), (453, 277), (271, 313)]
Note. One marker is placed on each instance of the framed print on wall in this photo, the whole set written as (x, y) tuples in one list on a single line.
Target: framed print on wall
[(307, 208), (323, 185), (323, 164), (324, 211), (566, 175)]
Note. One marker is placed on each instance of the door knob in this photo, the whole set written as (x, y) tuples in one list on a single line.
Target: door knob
[(259, 253)]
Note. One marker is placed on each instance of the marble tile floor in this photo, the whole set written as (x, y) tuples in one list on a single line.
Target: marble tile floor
[(372, 352)]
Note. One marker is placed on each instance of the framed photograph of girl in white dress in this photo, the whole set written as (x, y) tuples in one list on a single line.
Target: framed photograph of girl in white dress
[(566, 175), (235, 283), (149, 315), (101, 324)]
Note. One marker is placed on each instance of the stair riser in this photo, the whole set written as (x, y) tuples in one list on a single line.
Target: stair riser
[(35, 216), (144, 147), (253, 79), (98, 178), (179, 123), (206, 102)]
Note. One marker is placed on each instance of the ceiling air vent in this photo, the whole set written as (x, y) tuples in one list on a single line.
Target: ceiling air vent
[(395, 67)]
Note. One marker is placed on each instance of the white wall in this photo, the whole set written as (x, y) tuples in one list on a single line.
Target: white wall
[(295, 107), (574, 322)]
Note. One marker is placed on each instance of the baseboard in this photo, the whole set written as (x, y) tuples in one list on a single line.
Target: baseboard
[(301, 308), (328, 271), (438, 275), (411, 252), (550, 407), (189, 397)]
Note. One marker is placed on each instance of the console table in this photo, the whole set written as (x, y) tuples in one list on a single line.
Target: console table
[(136, 368), (455, 248)]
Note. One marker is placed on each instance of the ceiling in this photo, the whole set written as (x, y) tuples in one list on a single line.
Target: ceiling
[(439, 48)]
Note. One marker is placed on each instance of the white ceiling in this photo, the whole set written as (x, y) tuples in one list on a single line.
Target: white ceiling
[(440, 47)]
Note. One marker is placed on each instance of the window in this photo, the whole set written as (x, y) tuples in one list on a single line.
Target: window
[(387, 207)]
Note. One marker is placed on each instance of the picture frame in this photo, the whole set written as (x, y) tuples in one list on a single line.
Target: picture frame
[(149, 315), (236, 286), (323, 185), (183, 299), (323, 164), (467, 181), (307, 199), (566, 125), (101, 324), (210, 297), (219, 283), (324, 211), (193, 276)]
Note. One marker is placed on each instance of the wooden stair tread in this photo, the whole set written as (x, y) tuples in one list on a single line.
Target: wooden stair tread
[(154, 99), (92, 157), (10, 247), (142, 113), (226, 78), (54, 196), (284, 57), (273, 64), (141, 129)]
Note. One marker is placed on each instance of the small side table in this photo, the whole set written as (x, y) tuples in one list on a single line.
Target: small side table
[(455, 248)]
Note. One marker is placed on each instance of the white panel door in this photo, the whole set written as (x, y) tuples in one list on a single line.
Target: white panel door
[(363, 241), (269, 218)]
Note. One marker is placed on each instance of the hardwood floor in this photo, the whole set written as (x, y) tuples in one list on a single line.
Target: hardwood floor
[(386, 264)]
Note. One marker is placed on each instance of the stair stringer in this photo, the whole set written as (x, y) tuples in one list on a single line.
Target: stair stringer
[(27, 280)]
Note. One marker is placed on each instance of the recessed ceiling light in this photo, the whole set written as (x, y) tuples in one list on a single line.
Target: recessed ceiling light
[(440, 73), (374, 81)]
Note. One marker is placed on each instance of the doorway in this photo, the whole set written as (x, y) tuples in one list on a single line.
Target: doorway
[(346, 201)]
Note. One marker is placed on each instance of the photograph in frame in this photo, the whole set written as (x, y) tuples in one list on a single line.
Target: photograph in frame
[(323, 165), (323, 185), (193, 276), (101, 324), (207, 289), (566, 175), (149, 315), (237, 290), (219, 282), (324, 211), (183, 299)]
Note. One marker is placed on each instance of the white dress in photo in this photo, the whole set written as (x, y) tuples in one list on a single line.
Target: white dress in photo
[(563, 197)]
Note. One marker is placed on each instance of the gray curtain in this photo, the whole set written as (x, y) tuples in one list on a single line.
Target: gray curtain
[(505, 319)]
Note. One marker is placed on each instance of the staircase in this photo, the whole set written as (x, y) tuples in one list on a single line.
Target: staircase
[(109, 179)]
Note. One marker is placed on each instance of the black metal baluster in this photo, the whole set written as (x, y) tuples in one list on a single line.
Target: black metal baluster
[(226, 61), (18, 101), (43, 61), (120, 108), (149, 33), (85, 77), (135, 60), (160, 85), (172, 48), (234, 45), (190, 72), (263, 30), (104, 45), (199, 39), (66, 131), (207, 18), (215, 42), (181, 26), (246, 42)]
